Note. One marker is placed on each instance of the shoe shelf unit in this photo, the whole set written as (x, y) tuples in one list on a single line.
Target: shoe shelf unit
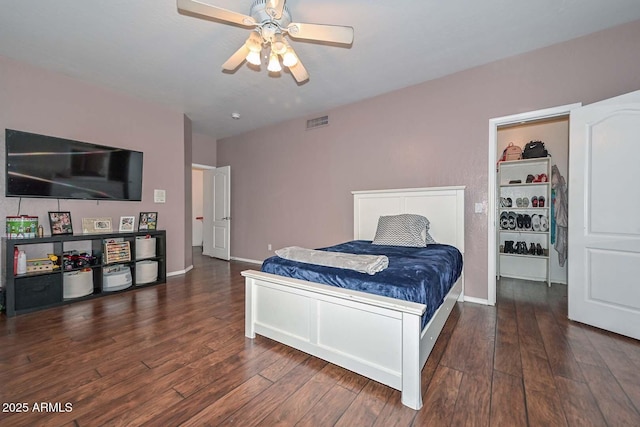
[(78, 267), (523, 213)]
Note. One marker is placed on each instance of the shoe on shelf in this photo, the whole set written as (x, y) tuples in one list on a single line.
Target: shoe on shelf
[(520, 221), (535, 222), (508, 246), (527, 222), (532, 249), (512, 220), (530, 178), (544, 223), (541, 201), (504, 220), (534, 201), (509, 202), (543, 178), (502, 249), (519, 202), (525, 202), (539, 250)]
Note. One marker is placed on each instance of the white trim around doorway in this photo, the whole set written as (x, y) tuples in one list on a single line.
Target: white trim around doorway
[(494, 124)]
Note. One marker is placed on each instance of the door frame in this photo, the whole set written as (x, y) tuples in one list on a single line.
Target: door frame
[(494, 124), (205, 197)]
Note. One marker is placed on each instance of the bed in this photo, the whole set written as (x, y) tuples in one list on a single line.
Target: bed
[(379, 337)]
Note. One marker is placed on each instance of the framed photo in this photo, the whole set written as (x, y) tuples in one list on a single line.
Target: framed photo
[(60, 223), (127, 223), (148, 221), (96, 225)]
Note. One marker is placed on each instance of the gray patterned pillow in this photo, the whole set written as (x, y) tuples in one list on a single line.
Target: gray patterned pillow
[(403, 230)]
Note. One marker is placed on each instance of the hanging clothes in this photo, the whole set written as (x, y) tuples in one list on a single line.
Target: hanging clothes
[(552, 229), (560, 214)]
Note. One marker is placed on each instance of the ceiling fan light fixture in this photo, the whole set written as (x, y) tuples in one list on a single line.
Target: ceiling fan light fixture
[(254, 42), (253, 57), (274, 64), (278, 45), (289, 59)]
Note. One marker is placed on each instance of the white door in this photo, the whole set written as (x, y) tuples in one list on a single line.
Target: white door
[(221, 213), (604, 218)]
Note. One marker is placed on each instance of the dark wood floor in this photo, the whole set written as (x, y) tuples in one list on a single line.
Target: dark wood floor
[(176, 354)]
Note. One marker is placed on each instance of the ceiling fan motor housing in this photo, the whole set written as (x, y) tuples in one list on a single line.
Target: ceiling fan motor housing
[(266, 23)]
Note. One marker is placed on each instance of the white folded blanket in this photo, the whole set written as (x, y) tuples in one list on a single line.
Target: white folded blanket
[(370, 264)]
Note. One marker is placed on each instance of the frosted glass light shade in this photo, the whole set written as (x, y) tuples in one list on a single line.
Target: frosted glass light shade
[(253, 57), (274, 65), (289, 59)]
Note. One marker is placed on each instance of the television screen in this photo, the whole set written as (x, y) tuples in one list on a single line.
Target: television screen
[(46, 166)]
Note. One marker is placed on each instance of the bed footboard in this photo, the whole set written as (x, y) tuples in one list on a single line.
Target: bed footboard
[(375, 336)]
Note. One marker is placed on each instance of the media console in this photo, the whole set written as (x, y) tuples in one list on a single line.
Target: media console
[(44, 288)]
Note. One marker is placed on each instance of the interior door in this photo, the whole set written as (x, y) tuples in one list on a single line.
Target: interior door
[(604, 219), (221, 232)]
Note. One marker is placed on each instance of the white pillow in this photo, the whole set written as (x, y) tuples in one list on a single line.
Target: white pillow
[(409, 230)]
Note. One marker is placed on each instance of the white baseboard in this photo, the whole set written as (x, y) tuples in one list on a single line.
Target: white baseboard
[(179, 272), (475, 300), (252, 261)]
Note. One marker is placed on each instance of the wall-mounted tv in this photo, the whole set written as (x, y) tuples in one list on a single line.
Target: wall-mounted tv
[(46, 166)]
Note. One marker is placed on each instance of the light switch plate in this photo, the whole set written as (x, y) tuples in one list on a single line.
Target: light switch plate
[(159, 196), (479, 207)]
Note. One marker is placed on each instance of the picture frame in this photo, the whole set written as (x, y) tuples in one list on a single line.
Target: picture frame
[(148, 221), (60, 223), (96, 225), (127, 223)]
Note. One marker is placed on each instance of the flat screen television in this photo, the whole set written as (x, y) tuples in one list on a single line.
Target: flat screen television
[(46, 166)]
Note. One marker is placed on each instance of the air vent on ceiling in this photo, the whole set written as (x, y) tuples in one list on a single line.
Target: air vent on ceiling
[(317, 122)]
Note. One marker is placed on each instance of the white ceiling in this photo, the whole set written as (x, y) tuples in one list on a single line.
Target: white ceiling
[(147, 49)]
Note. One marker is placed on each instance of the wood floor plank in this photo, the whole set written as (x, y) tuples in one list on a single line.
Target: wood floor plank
[(367, 406), (615, 405), (440, 399), (254, 411), (580, 407), (507, 401), (395, 414), (473, 405), (544, 408), (225, 406), (328, 410), (559, 353), (300, 402)]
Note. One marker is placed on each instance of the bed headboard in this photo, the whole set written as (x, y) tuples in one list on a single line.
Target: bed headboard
[(443, 206)]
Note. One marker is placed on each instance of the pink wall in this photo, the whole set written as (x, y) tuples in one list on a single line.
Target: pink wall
[(48, 103), (188, 201), (292, 187), (204, 149)]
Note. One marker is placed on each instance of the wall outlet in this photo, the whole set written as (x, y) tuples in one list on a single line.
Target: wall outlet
[(269, 247)]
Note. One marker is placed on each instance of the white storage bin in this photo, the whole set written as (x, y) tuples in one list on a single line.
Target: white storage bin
[(77, 284), (145, 247), (146, 272), (116, 278)]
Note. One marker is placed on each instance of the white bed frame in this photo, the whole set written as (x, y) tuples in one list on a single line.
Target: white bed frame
[(375, 336)]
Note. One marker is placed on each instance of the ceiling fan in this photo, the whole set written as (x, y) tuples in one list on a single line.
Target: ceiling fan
[(270, 22)]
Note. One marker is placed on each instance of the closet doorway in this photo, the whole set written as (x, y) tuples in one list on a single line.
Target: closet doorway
[(552, 127)]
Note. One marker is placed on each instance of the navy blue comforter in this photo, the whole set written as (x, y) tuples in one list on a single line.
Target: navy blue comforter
[(422, 275)]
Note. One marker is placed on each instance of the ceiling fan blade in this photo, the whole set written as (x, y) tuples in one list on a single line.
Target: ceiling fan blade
[(324, 33), (207, 11), (236, 59), (275, 8), (299, 72)]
